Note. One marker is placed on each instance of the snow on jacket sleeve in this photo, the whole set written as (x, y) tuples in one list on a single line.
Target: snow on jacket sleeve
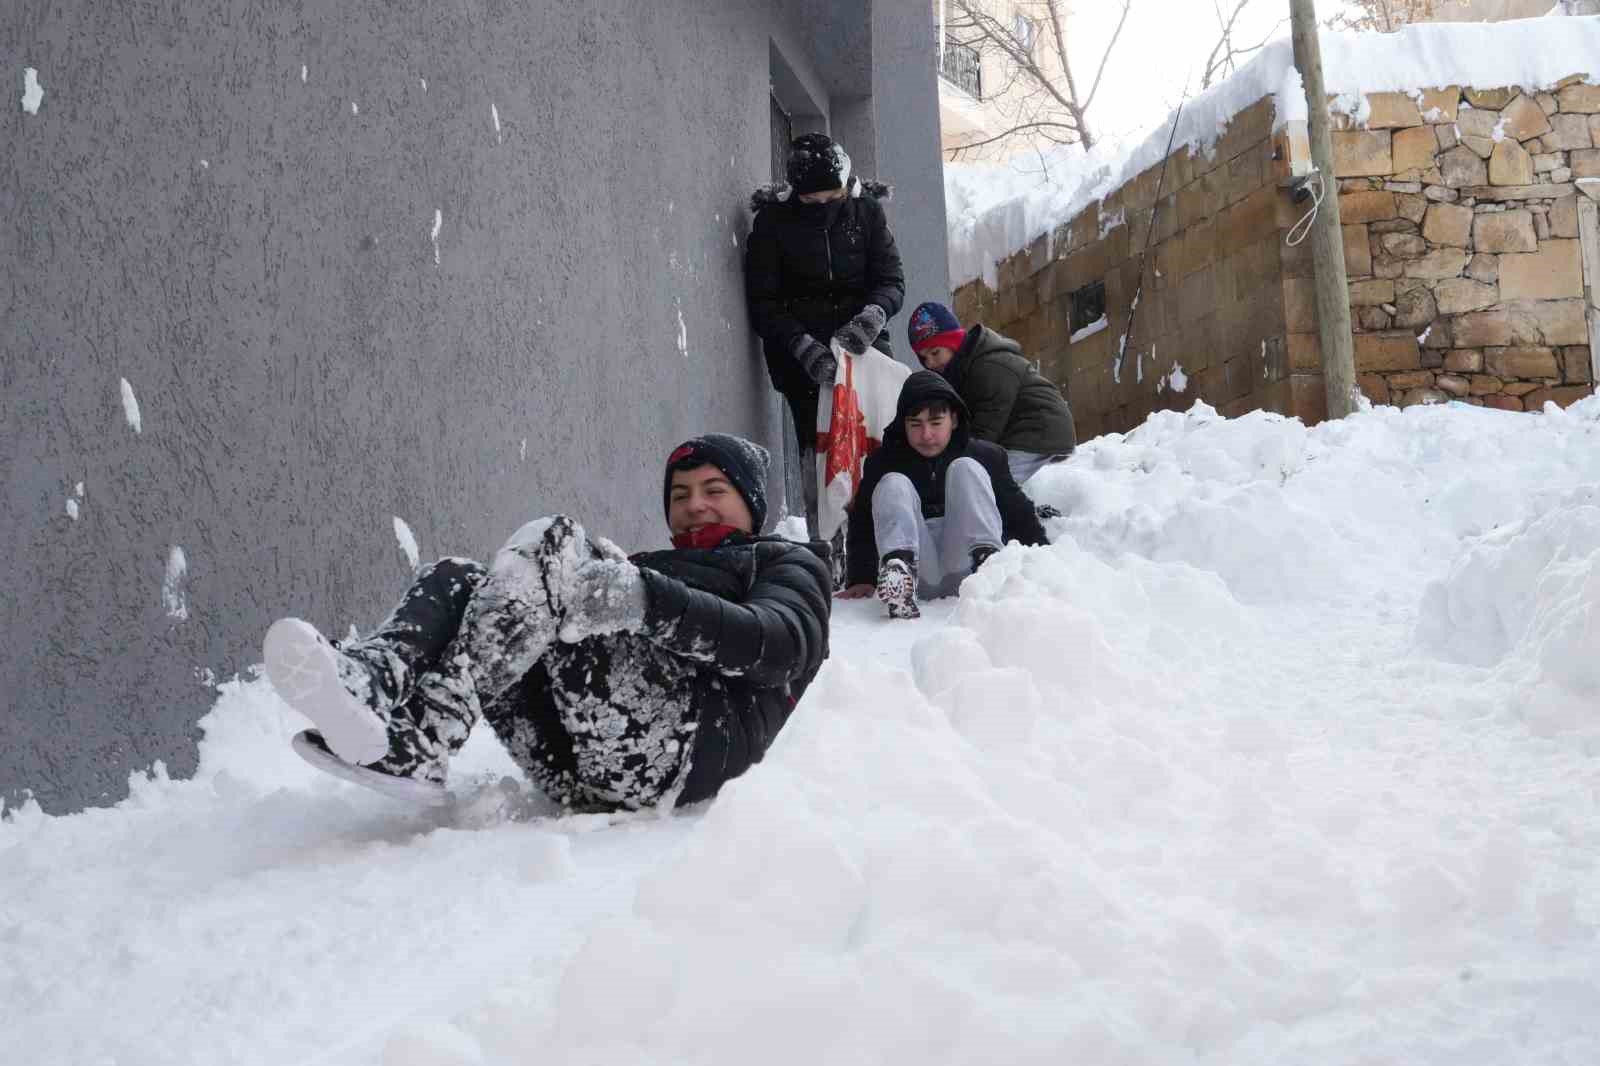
[(991, 394), (763, 287), (777, 635), (886, 279)]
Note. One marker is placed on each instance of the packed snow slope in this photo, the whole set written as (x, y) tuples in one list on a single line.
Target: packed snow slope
[(1288, 750)]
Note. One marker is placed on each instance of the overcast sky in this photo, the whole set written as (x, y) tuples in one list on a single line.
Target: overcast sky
[(1164, 44)]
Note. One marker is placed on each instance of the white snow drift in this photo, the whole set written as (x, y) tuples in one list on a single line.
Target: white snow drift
[(1286, 751)]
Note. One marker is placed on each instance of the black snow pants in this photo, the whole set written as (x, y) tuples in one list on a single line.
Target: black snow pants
[(604, 723)]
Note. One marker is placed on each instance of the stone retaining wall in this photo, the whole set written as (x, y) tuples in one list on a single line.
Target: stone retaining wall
[(1464, 211), (1461, 215)]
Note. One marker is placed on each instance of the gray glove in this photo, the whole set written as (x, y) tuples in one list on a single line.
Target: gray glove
[(857, 335), (604, 596), (815, 359)]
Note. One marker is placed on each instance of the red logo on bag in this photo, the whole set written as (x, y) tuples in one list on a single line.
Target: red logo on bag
[(846, 443)]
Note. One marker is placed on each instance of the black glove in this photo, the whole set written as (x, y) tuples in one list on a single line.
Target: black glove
[(818, 363), (857, 335)]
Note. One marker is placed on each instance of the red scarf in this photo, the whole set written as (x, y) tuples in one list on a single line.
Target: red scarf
[(704, 537)]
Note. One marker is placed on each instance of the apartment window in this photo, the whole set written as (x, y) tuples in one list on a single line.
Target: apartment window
[(960, 65), (782, 134), (1088, 305)]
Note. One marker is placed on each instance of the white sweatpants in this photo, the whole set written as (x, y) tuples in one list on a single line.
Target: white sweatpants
[(1026, 464), (942, 546)]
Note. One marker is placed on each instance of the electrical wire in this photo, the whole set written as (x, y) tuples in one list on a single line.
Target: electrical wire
[(1155, 214), (1310, 217)]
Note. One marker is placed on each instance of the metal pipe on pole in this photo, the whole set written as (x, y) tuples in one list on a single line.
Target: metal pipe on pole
[(942, 32), (1327, 235)]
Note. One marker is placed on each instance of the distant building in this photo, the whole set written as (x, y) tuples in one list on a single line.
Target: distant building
[(1502, 10), (980, 95)]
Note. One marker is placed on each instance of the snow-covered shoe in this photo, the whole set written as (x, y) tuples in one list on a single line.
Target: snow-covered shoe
[(897, 587), (1045, 510), (424, 785), (516, 612), (346, 694), (980, 555)]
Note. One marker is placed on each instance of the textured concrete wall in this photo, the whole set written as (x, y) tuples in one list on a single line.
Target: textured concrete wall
[(339, 292), (905, 95)]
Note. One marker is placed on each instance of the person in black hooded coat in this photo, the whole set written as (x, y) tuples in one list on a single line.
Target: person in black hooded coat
[(820, 266), (614, 682), (929, 460)]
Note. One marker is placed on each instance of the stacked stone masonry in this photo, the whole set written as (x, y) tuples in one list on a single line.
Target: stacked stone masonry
[(1470, 242)]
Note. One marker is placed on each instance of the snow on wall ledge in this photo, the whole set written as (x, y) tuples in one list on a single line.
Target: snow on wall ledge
[(995, 210)]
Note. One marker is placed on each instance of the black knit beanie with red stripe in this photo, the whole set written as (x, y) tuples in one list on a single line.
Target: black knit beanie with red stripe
[(744, 462)]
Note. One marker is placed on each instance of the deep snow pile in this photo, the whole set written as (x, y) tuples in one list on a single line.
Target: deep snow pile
[(996, 209), (1286, 751)]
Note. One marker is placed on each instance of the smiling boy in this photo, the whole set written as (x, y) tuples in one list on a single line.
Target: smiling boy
[(614, 681)]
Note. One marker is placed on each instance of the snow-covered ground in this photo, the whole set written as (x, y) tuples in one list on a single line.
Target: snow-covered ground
[(1287, 751), (996, 209)]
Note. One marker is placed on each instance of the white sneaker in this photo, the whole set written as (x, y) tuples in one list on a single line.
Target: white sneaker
[(337, 692)]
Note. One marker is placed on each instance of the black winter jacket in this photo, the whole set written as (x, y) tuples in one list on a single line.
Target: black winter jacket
[(754, 611), (1018, 520), (1012, 404), (810, 268)]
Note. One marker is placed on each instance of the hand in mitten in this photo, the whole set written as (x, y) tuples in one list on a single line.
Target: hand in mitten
[(857, 335), (815, 359), (605, 596)]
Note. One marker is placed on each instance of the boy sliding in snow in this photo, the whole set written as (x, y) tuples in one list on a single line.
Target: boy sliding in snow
[(1012, 405), (934, 503), (615, 682)]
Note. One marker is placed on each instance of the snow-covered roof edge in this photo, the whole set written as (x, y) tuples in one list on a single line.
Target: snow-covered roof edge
[(1534, 54)]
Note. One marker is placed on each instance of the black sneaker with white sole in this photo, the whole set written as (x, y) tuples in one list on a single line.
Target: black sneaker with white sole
[(897, 586), (422, 785)]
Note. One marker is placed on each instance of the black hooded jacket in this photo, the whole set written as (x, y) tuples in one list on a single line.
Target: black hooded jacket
[(754, 612), (1018, 520), (810, 268)]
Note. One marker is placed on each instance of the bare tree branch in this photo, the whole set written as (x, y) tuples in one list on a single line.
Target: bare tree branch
[(1386, 16), (1127, 5), (1222, 53), (1225, 55), (1044, 102), (1054, 9), (1020, 128)]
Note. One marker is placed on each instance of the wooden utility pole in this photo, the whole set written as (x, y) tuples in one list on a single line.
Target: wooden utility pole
[(1327, 236)]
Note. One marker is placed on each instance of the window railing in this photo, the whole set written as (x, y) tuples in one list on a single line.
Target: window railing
[(961, 67)]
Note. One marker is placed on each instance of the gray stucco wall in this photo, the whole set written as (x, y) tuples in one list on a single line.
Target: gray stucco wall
[(905, 97), (253, 252)]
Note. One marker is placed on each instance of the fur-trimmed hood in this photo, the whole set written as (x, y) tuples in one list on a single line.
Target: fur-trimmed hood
[(780, 192)]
